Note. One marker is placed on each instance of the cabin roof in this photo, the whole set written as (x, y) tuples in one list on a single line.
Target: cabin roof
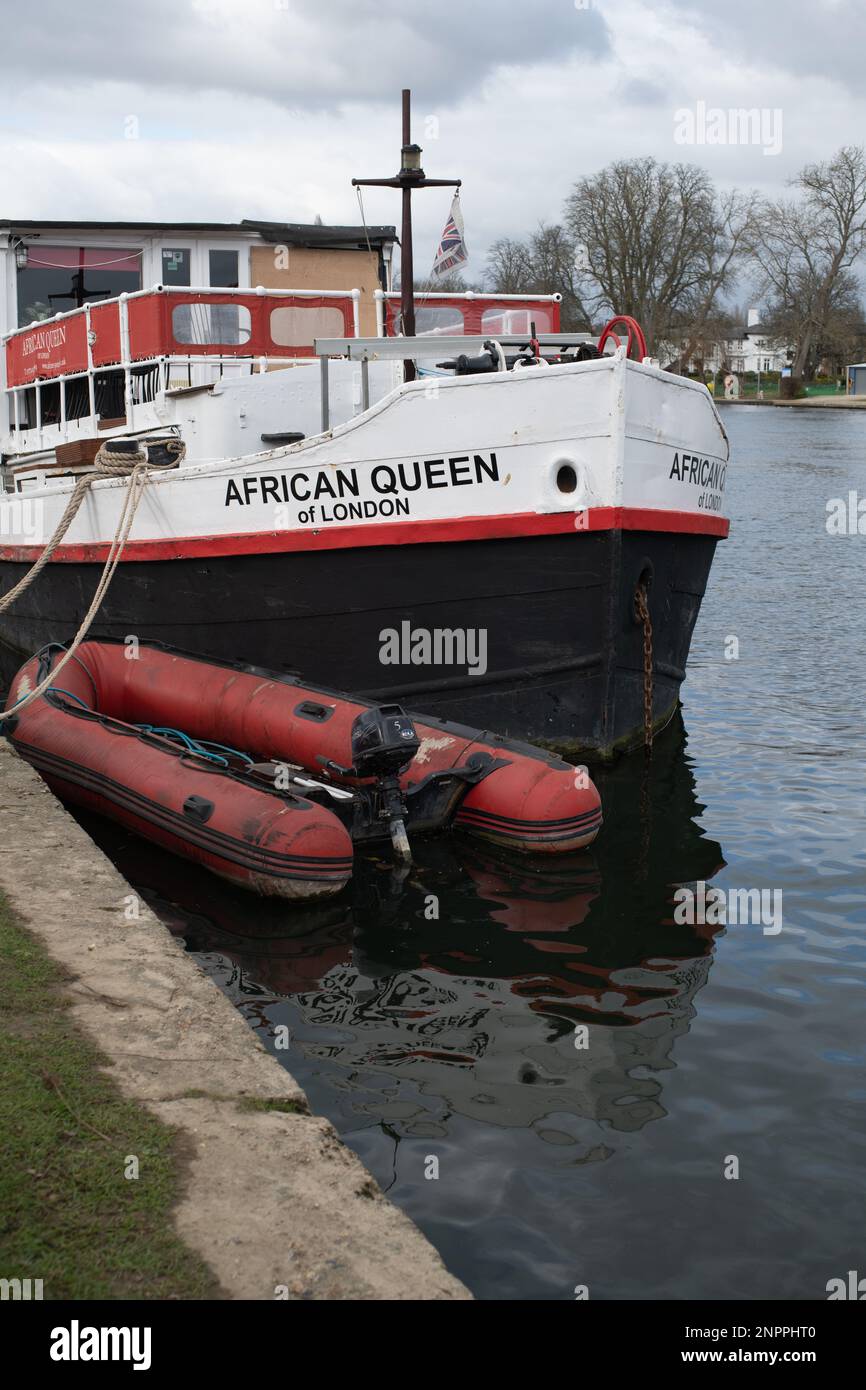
[(305, 234), (288, 233)]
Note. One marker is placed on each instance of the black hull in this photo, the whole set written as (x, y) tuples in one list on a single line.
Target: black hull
[(564, 651)]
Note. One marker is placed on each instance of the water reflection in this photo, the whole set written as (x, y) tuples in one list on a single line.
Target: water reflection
[(471, 978)]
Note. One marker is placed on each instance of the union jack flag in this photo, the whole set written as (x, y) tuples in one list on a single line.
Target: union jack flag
[(452, 247)]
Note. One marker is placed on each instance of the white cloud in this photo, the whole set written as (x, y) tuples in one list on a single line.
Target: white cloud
[(248, 109)]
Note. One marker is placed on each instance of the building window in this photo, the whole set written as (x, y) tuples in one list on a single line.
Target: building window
[(59, 278)]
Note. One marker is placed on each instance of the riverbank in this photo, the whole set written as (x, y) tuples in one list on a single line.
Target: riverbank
[(808, 402), (266, 1201), (68, 1137)]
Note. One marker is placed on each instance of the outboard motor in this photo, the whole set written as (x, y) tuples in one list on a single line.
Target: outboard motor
[(384, 742)]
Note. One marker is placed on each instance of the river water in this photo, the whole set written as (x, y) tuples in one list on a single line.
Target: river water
[(455, 1043)]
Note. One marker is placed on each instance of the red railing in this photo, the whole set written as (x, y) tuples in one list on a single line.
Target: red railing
[(476, 314), (56, 347), (177, 323)]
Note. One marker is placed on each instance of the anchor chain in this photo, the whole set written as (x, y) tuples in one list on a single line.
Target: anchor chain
[(642, 613)]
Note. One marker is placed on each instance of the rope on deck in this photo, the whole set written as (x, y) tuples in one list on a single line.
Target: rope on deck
[(109, 463)]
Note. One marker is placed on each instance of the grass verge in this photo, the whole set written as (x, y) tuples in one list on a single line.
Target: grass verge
[(69, 1214)]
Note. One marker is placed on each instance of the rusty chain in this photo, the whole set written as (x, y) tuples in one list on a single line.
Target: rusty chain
[(641, 606)]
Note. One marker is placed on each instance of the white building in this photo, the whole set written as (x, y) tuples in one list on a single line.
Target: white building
[(751, 348)]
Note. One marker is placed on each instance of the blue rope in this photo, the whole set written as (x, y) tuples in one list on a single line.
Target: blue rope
[(57, 690), (201, 747), (234, 752)]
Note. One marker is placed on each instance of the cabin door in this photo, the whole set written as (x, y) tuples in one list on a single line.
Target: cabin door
[(215, 326), (204, 267)]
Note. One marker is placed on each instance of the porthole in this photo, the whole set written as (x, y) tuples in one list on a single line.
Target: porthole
[(566, 478)]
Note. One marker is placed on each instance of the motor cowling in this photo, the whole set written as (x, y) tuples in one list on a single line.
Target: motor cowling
[(384, 742)]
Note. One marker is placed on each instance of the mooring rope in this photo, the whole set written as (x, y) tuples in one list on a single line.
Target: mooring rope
[(108, 463)]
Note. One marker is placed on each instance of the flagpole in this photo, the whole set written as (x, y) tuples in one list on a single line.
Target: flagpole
[(411, 176)]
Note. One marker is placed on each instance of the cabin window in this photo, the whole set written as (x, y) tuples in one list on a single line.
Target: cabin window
[(223, 269), (298, 325), (59, 278), (211, 325), (501, 319), (433, 319), (176, 266)]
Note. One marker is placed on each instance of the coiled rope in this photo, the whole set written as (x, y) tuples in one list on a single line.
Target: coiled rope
[(109, 463)]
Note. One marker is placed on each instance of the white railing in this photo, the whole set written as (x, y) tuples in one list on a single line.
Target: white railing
[(32, 438)]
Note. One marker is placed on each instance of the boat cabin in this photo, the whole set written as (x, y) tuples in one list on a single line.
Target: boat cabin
[(130, 329)]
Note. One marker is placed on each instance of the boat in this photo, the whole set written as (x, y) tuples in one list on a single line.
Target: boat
[(518, 508), (268, 781), (475, 514)]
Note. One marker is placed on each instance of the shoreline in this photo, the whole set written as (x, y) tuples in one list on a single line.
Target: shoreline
[(805, 402)]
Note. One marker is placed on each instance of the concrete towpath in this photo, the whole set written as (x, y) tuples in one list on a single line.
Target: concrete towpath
[(273, 1201)]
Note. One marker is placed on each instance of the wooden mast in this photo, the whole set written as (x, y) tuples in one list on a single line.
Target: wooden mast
[(407, 268), (410, 177)]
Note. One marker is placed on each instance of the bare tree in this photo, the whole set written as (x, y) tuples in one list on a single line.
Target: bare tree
[(705, 320), (509, 268), (545, 263), (844, 336), (806, 249), (654, 242), (788, 316)]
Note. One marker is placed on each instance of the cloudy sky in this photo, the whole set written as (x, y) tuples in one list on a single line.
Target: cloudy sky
[(222, 109)]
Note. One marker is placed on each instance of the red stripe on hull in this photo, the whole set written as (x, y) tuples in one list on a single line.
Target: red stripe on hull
[(389, 533)]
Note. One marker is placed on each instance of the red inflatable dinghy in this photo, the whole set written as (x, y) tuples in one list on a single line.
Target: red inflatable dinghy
[(266, 780)]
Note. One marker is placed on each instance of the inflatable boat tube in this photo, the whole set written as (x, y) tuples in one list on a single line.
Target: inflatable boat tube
[(99, 738)]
